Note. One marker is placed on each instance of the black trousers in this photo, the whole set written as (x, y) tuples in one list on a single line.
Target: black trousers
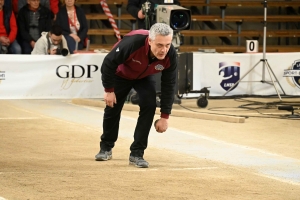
[(145, 89)]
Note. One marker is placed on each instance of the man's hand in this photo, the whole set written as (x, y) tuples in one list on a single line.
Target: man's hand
[(4, 40), (141, 15), (53, 51), (32, 43), (75, 37), (161, 125), (110, 99)]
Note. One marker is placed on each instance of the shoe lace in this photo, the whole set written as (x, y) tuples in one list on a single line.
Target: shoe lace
[(103, 151), (140, 160)]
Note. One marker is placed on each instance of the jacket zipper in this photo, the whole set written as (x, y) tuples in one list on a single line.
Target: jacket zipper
[(143, 72)]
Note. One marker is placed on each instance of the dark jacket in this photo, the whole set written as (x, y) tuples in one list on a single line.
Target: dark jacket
[(129, 59), (134, 6), (23, 21), (62, 20)]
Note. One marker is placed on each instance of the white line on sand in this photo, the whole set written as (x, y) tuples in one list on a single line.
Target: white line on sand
[(197, 168), (19, 118), (172, 169), (1, 198)]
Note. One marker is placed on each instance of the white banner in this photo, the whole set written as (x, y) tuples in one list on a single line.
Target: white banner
[(50, 77), (78, 75), (221, 71)]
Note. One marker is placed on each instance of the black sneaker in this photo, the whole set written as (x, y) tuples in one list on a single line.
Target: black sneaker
[(103, 155), (138, 162)]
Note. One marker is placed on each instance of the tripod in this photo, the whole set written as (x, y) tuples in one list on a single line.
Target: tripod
[(264, 61), (146, 8)]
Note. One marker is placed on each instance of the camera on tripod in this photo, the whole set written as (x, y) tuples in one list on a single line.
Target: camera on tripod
[(177, 17)]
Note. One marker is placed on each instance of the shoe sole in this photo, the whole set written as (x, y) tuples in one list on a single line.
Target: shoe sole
[(104, 159), (138, 166)]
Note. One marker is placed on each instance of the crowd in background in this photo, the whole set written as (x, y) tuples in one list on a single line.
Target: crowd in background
[(41, 26)]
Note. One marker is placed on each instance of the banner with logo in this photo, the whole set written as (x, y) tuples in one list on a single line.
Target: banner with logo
[(50, 77), (78, 75), (237, 74)]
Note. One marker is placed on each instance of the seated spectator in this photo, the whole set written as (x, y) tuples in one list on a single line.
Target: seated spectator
[(33, 19), (8, 31), (53, 5), (51, 43), (74, 24)]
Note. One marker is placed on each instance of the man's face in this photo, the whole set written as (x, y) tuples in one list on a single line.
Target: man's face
[(1, 4), (55, 39), (34, 4), (160, 46)]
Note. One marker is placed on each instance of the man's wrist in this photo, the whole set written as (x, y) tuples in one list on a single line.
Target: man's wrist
[(164, 115), (107, 90)]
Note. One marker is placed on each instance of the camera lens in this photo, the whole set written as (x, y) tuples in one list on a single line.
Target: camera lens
[(180, 20)]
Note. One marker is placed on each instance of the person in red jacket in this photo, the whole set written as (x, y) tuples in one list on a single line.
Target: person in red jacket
[(8, 31)]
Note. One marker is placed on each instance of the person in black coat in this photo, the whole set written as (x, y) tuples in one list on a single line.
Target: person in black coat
[(73, 21), (33, 19)]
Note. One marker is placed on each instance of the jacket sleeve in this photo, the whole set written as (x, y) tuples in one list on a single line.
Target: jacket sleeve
[(22, 23), (48, 20), (40, 47), (54, 6), (168, 81), (13, 28), (82, 33), (118, 55), (133, 7), (62, 22)]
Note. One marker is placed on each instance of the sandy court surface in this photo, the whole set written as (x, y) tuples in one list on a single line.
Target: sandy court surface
[(48, 147)]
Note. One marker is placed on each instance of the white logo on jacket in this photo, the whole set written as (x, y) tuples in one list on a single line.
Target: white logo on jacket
[(117, 50), (137, 61), (159, 67)]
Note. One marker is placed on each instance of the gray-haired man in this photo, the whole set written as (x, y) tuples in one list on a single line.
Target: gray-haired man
[(132, 63)]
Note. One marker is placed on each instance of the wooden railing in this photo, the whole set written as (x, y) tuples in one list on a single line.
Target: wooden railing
[(212, 33), (213, 18), (218, 48), (222, 18)]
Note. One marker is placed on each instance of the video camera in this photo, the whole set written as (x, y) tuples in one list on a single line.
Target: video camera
[(177, 17)]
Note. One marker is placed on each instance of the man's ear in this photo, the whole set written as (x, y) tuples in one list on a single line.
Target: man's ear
[(149, 41)]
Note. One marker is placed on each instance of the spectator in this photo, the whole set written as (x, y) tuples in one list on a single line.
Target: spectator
[(33, 19), (53, 5), (8, 30), (74, 24), (51, 43), (134, 7)]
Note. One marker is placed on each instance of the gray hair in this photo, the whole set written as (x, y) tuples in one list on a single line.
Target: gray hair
[(160, 29)]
